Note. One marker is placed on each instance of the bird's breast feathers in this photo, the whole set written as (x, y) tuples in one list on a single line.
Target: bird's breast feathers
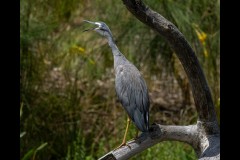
[(127, 71)]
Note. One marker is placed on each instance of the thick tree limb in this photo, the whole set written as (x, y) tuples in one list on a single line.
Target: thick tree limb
[(157, 134), (207, 147), (185, 53)]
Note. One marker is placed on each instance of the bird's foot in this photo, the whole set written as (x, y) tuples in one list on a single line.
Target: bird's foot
[(121, 145), (133, 139)]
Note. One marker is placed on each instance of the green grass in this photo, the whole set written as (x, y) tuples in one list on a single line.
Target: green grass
[(165, 150), (168, 150)]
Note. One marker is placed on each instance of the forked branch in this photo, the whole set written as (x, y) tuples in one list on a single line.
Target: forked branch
[(185, 53), (158, 133)]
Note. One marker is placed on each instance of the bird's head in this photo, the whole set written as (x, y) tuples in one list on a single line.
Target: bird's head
[(100, 27)]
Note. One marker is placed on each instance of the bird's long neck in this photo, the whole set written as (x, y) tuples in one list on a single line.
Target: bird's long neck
[(117, 55), (113, 46)]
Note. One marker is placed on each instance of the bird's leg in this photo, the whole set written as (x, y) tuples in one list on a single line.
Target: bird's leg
[(125, 135)]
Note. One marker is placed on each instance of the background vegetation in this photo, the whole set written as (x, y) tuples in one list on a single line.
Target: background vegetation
[(69, 109)]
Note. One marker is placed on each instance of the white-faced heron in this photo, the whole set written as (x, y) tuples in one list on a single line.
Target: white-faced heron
[(130, 86)]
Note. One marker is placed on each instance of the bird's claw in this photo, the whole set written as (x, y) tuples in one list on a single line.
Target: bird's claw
[(121, 145)]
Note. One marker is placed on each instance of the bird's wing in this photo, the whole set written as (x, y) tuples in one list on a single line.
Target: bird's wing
[(132, 92)]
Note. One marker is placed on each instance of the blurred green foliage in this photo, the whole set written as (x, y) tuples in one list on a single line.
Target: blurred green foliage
[(67, 93)]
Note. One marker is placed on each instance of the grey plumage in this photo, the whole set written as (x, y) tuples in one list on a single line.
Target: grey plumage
[(130, 86)]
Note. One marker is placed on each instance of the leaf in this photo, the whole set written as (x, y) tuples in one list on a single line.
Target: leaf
[(28, 155), (91, 61), (21, 110), (39, 148), (42, 146), (22, 134)]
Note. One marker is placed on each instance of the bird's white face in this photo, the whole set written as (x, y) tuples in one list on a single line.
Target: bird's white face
[(101, 28), (97, 23)]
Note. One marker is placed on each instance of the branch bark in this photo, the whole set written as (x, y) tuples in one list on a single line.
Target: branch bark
[(158, 133), (204, 137), (184, 52), (206, 147)]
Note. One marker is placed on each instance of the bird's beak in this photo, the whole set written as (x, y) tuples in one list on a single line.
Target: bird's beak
[(90, 28)]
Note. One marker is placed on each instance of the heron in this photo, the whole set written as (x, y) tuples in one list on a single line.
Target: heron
[(130, 86)]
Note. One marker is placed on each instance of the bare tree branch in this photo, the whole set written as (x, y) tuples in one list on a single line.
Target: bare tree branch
[(185, 53), (158, 133), (207, 147)]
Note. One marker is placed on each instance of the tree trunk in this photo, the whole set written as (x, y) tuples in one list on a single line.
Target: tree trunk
[(204, 136)]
